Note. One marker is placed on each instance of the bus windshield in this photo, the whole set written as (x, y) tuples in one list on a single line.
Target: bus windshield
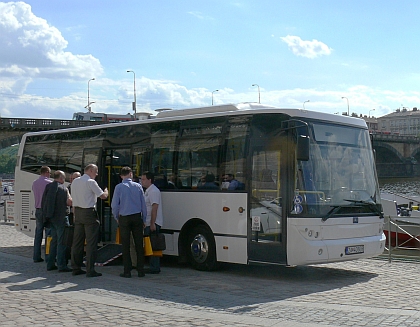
[(340, 176)]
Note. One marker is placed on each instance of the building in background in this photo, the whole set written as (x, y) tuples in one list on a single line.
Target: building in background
[(403, 122)]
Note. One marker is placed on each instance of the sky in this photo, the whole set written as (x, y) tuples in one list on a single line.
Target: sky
[(324, 55)]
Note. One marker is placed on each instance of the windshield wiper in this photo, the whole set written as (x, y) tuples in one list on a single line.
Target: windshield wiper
[(331, 212), (371, 205)]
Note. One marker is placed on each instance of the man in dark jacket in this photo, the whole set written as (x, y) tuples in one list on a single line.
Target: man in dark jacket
[(55, 200)]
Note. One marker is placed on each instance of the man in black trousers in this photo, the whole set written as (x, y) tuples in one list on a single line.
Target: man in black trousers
[(85, 191), (129, 208)]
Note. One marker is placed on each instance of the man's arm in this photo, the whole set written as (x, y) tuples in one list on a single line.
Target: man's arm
[(153, 216), (93, 185), (48, 201), (104, 195), (69, 199), (143, 205), (115, 203)]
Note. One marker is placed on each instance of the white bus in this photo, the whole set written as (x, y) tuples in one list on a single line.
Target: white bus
[(308, 187)]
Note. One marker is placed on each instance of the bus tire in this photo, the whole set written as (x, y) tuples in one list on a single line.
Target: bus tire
[(202, 249)]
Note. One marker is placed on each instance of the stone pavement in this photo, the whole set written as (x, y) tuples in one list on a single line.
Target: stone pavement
[(359, 293)]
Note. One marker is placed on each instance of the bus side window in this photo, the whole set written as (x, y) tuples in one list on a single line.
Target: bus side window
[(233, 167)]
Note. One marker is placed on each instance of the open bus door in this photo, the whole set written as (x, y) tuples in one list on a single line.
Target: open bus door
[(267, 238), (112, 160)]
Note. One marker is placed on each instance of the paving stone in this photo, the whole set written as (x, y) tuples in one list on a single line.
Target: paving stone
[(367, 292)]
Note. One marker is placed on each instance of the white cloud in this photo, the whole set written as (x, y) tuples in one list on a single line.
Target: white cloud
[(31, 47), (115, 96), (308, 49), (164, 93)]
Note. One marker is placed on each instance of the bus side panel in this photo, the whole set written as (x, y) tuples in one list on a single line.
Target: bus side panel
[(25, 220), (225, 214), (225, 245), (171, 241)]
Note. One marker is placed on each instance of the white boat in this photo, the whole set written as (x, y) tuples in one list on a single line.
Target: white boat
[(402, 219)]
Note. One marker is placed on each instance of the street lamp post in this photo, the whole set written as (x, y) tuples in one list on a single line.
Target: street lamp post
[(135, 101), (212, 96), (348, 107), (370, 111), (89, 103), (304, 104), (259, 94)]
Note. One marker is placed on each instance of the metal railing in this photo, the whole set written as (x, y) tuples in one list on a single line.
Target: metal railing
[(31, 123), (403, 239)]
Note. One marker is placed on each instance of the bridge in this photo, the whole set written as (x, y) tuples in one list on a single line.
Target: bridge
[(12, 129), (397, 155)]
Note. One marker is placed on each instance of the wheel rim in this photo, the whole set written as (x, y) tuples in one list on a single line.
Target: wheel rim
[(199, 248)]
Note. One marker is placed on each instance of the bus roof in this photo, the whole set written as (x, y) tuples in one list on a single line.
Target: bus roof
[(226, 110), (253, 107)]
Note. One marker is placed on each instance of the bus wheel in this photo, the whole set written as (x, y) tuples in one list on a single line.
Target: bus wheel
[(202, 249)]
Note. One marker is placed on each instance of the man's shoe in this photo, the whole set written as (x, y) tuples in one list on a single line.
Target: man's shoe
[(39, 260), (148, 271), (52, 268), (141, 274), (78, 272), (125, 275), (67, 269), (93, 274)]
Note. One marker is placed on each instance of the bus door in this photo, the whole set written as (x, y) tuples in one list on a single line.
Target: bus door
[(266, 229), (112, 160)]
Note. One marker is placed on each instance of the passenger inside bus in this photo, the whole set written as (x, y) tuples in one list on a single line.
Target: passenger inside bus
[(174, 182), (231, 184), (209, 182)]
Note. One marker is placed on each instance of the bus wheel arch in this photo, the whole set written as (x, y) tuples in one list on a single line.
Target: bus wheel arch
[(197, 245)]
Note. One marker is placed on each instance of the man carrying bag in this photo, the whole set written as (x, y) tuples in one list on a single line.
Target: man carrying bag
[(154, 219)]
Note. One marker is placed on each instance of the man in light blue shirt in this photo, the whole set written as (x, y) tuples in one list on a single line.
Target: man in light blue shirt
[(129, 210)]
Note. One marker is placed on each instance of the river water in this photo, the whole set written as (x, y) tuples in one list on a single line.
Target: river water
[(406, 186)]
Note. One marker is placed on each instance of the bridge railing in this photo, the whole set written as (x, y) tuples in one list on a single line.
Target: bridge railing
[(395, 137), (43, 123)]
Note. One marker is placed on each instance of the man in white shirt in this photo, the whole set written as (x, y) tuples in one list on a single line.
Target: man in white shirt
[(85, 191), (154, 219)]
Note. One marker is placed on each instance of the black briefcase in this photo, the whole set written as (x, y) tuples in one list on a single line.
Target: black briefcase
[(158, 242)]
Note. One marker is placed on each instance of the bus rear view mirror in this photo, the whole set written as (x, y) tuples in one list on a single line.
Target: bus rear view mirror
[(302, 148)]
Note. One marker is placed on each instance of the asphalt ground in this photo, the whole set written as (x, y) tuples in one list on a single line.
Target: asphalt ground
[(369, 292)]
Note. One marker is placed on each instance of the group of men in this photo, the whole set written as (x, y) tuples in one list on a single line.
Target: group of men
[(133, 209)]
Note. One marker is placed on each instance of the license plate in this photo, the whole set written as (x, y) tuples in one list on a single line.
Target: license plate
[(355, 249)]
